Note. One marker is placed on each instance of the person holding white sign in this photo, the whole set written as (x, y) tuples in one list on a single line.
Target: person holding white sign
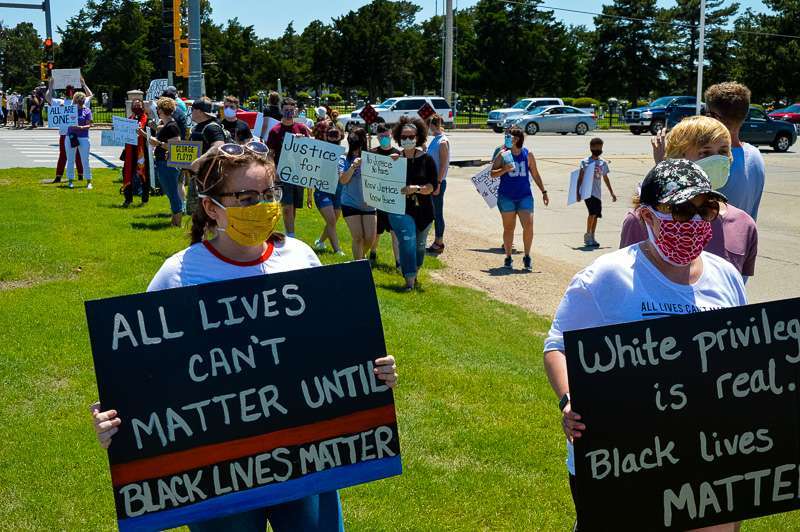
[(513, 165), (360, 217), (78, 138), (329, 204), (240, 206), (422, 178), (668, 274), (62, 130)]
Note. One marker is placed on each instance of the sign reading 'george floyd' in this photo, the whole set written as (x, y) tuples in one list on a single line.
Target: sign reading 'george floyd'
[(690, 421), (243, 394)]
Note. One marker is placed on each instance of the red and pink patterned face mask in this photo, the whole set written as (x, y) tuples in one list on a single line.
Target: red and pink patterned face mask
[(679, 243)]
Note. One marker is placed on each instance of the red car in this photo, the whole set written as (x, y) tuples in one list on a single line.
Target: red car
[(789, 114)]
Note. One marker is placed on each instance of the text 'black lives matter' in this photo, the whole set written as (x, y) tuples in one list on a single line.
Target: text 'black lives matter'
[(691, 420), (243, 394)]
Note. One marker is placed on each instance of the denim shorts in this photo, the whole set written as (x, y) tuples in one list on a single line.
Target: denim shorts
[(326, 199), (505, 204)]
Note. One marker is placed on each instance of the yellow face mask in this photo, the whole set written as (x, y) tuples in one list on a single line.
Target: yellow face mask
[(252, 225)]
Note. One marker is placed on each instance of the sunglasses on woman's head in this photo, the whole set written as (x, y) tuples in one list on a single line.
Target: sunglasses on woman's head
[(232, 150), (683, 212)]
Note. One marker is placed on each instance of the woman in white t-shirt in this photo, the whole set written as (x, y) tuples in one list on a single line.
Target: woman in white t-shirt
[(241, 207), (677, 207)]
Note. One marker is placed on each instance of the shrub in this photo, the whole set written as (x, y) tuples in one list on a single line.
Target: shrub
[(333, 97), (568, 101), (585, 103)]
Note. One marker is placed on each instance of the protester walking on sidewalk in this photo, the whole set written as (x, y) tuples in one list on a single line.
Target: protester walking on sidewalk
[(412, 227), (439, 150), (513, 165)]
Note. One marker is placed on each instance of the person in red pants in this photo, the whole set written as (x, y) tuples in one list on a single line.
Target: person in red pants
[(62, 133)]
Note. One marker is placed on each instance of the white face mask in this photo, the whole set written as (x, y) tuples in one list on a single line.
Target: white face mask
[(717, 168), (408, 144), (229, 112)]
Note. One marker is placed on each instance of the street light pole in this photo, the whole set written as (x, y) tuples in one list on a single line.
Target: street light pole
[(700, 58), (195, 51), (448, 52)]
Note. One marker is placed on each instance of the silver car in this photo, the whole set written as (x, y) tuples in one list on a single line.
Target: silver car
[(556, 119)]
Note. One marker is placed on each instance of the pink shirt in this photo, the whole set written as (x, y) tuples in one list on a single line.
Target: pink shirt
[(735, 238)]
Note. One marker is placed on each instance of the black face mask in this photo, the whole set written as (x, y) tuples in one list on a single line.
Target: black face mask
[(597, 153)]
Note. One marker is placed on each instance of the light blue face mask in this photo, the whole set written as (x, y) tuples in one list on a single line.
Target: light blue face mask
[(385, 141), (509, 141), (717, 168)]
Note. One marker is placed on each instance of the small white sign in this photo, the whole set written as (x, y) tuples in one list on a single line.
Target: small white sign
[(486, 186), (59, 116), (107, 138), (382, 179), (125, 130), (62, 77), (156, 88), (586, 185), (309, 163)]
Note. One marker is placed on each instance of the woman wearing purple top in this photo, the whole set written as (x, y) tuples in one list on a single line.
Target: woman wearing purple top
[(78, 140), (708, 143)]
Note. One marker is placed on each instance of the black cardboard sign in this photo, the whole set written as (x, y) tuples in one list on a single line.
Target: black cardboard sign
[(691, 420)]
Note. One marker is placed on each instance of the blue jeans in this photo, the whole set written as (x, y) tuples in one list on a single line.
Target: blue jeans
[(411, 243), (315, 513), (438, 211), (168, 177)]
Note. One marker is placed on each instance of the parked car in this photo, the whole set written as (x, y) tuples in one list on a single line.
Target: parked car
[(761, 130), (788, 114), (676, 113), (390, 111), (557, 119), (653, 117), (499, 117)]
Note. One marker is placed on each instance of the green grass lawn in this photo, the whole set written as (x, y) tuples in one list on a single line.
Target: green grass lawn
[(479, 429)]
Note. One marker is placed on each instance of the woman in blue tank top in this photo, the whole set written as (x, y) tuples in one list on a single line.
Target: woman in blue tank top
[(513, 165)]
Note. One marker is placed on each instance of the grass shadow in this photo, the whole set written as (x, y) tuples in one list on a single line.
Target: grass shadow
[(158, 226), (131, 206), (154, 215)]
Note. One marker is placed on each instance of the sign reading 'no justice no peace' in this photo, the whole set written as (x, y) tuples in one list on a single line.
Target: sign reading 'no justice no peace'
[(243, 394), (690, 421)]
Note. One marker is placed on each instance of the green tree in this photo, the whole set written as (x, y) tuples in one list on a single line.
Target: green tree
[(21, 53), (77, 44), (628, 54), (684, 38), (768, 64)]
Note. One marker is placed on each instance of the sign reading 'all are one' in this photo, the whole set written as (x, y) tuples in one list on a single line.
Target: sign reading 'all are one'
[(691, 420), (243, 394)]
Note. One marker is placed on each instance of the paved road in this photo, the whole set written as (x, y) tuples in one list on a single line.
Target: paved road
[(31, 148), (559, 229)]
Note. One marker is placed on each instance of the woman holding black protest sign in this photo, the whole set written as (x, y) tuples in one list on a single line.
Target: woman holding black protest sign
[(359, 216), (412, 227), (240, 209), (669, 272)]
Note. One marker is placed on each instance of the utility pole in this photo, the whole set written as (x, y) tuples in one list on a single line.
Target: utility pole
[(195, 52), (448, 52), (700, 58)]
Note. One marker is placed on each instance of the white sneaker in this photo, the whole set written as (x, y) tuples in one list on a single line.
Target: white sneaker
[(341, 253), (70, 185), (89, 185), (587, 239), (319, 246)]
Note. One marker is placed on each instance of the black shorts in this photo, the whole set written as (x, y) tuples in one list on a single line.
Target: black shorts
[(595, 206), (352, 211), (383, 223), (292, 195)]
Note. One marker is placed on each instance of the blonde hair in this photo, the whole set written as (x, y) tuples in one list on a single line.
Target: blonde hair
[(166, 105), (694, 132), (79, 97)]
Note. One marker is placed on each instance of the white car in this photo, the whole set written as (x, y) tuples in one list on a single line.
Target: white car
[(499, 117), (389, 111)]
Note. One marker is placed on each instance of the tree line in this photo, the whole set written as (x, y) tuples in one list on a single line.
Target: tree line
[(503, 50)]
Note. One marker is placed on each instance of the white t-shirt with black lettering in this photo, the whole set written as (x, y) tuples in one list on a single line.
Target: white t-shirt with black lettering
[(201, 263), (625, 286)]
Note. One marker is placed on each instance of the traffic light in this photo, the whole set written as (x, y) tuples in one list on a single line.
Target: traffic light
[(48, 48), (50, 66), (43, 71)]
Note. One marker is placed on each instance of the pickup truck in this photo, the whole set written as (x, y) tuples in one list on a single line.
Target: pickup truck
[(653, 117)]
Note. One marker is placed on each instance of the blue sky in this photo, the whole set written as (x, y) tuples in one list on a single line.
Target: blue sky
[(270, 17)]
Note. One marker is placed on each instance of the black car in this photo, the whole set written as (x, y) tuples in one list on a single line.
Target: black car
[(758, 128)]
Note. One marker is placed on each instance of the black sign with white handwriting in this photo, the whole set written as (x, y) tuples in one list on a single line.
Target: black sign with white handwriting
[(241, 394), (690, 421)]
